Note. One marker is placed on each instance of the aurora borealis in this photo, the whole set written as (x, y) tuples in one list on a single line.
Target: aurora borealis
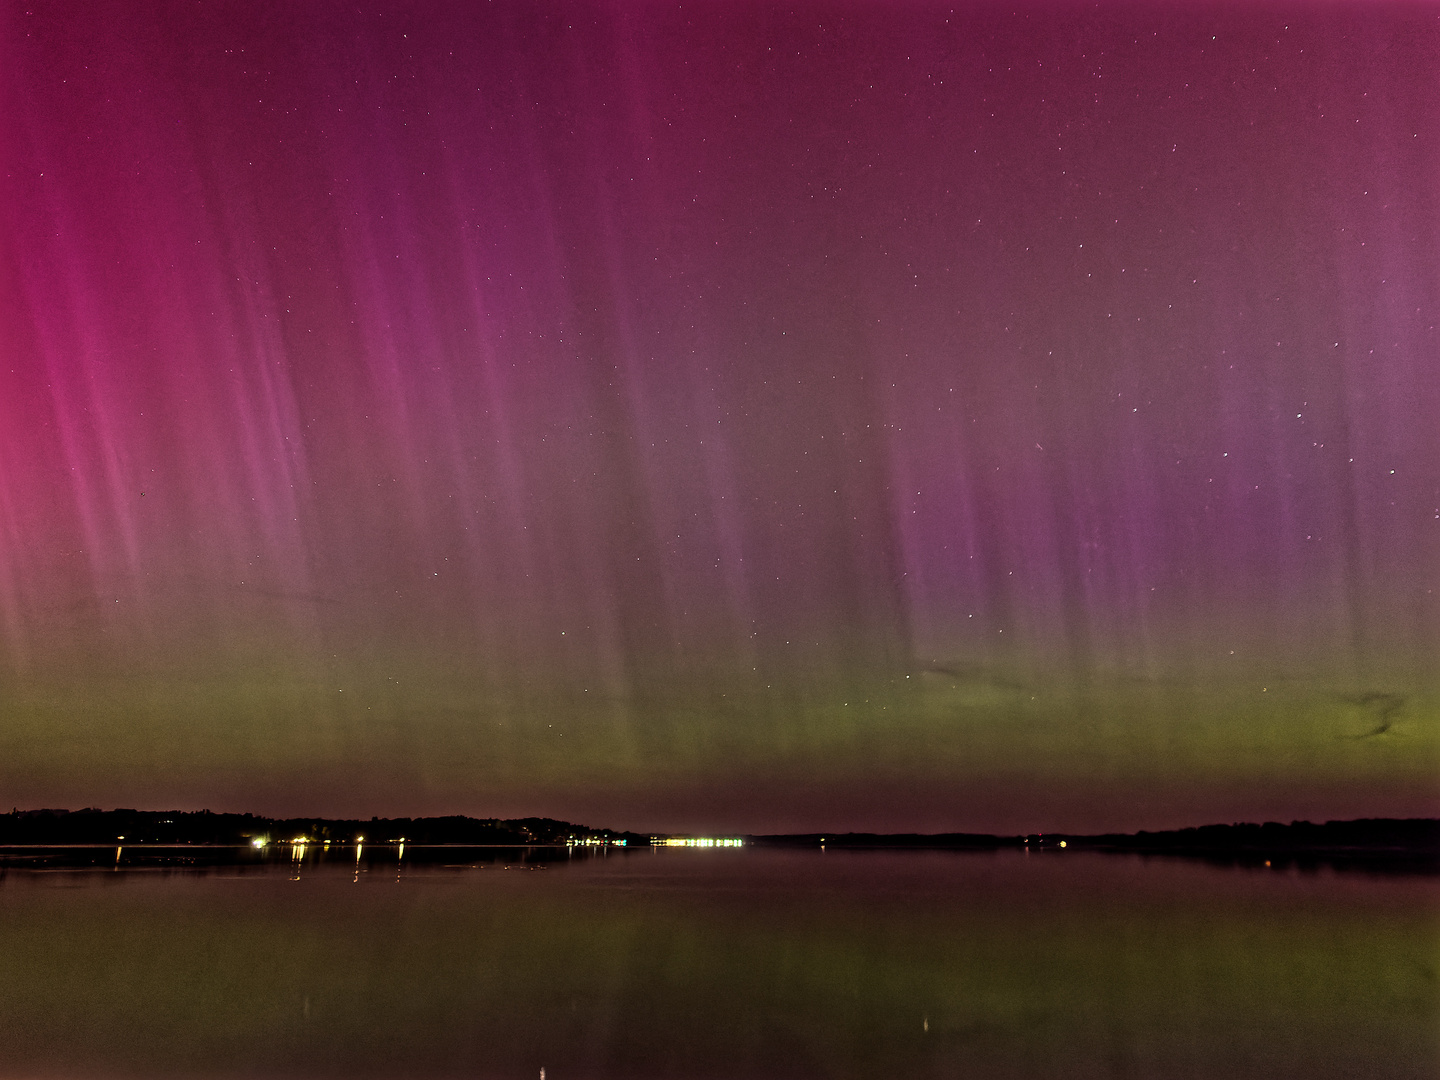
[(728, 416)]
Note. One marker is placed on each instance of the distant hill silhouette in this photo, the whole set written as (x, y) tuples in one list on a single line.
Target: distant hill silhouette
[(92, 826), (1411, 844)]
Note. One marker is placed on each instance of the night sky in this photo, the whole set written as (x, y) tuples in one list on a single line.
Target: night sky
[(722, 416)]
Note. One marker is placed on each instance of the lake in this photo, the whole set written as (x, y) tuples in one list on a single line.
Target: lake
[(717, 963)]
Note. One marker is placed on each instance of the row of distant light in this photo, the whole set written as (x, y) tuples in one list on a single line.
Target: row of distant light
[(301, 841), (673, 841), (698, 841)]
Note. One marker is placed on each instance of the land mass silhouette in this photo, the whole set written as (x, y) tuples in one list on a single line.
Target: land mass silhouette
[(130, 827), (1411, 844)]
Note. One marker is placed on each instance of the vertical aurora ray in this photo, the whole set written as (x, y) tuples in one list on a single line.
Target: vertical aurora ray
[(862, 415)]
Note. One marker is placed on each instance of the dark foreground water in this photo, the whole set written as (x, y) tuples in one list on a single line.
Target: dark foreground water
[(720, 963)]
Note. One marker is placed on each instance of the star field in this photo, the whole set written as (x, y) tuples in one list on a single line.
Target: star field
[(731, 417)]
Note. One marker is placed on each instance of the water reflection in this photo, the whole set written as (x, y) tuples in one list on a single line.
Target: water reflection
[(708, 963), (205, 858)]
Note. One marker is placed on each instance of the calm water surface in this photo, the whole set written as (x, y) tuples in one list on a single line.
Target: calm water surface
[(720, 964)]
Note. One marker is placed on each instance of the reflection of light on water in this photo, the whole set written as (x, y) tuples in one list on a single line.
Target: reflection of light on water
[(297, 854), (120, 849), (700, 841)]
